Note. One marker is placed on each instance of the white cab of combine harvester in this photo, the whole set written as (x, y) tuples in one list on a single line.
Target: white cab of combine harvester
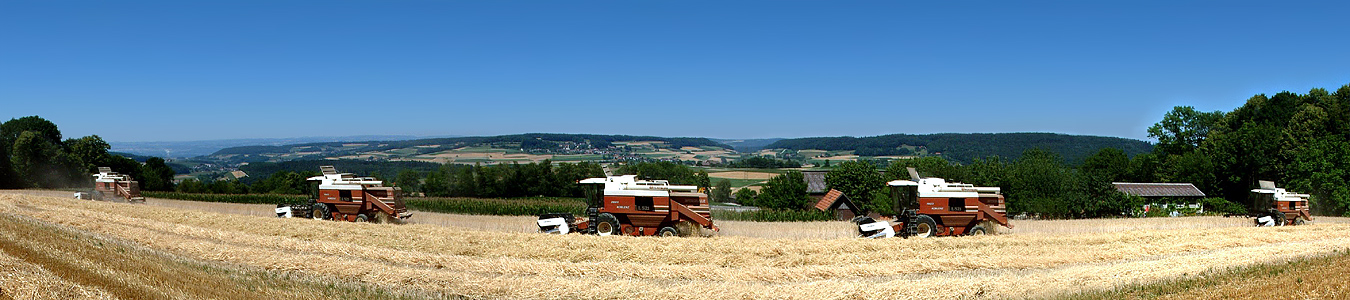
[(629, 185), (1280, 194), (940, 188), (345, 181), (106, 174)]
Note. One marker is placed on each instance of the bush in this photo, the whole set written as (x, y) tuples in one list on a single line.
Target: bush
[(768, 215), (1219, 205)]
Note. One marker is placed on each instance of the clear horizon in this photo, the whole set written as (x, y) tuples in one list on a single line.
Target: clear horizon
[(165, 71)]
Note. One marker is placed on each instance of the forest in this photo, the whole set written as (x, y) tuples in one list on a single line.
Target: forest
[(966, 147)]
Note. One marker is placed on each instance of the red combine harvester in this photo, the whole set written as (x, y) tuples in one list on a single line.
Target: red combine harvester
[(345, 197), (935, 207), (109, 185), (1272, 206), (623, 205)]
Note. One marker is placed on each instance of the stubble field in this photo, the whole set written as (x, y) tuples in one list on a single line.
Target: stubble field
[(448, 256)]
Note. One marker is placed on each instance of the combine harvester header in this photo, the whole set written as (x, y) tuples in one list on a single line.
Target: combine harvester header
[(624, 205)]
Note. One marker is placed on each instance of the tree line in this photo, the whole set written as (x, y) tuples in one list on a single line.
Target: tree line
[(33, 155), (966, 147), (1300, 141)]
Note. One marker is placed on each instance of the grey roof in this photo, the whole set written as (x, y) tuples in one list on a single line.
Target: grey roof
[(1158, 189), (815, 182)]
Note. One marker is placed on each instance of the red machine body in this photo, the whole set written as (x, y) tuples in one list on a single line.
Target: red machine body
[(935, 207), (109, 185), (623, 205)]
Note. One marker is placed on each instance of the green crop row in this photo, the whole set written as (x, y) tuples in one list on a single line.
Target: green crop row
[(766, 215), (231, 198), (501, 207)]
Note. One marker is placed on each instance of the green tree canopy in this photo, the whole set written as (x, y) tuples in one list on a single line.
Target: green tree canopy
[(786, 191), (1183, 129), (856, 179)]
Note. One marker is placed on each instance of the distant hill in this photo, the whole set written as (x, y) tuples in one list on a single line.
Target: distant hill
[(965, 147), (748, 145), (385, 169), (526, 141), (205, 147)]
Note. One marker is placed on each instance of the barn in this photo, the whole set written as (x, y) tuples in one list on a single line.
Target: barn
[(838, 203)]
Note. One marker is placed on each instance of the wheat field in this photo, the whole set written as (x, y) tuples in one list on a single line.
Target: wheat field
[(790, 261)]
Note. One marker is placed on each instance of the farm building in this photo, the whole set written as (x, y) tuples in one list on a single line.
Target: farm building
[(815, 184), (1165, 194), (835, 201)]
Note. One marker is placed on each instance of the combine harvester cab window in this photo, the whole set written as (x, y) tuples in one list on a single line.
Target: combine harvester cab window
[(906, 196), (595, 194)]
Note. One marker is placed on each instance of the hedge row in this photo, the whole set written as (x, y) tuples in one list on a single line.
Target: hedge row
[(231, 198), (501, 207), (766, 215)]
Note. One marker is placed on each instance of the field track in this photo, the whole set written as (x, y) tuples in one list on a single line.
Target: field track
[(1047, 258)]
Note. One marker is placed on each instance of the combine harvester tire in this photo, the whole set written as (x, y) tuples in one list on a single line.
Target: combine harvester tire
[(319, 212), (668, 231), (926, 226), (607, 224)]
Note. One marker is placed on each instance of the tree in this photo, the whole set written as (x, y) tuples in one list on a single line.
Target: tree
[(90, 152), (1108, 163), (156, 175), (702, 180), (409, 181), (9, 134), (786, 191), (1183, 129), (721, 191), (438, 184), (40, 162), (746, 196), (46, 130), (856, 179)]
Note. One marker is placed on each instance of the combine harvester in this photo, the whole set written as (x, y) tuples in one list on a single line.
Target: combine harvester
[(109, 185), (935, 207), (345, 197), (623, 205), (1272, 206)]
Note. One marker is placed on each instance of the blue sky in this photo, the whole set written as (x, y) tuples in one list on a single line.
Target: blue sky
[(195, 70)]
